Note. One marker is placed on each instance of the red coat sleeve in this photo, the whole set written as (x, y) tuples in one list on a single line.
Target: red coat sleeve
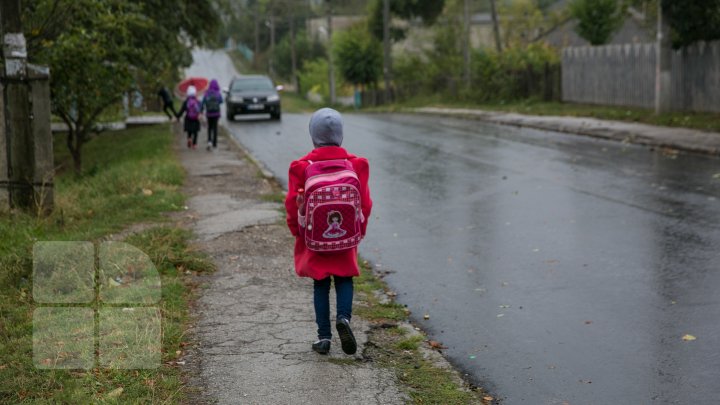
[(296, 180), (362, 168)]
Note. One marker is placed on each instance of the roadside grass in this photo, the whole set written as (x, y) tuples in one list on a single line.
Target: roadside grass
[(694, 120), (394, 347), (295, 103), (130, 176)]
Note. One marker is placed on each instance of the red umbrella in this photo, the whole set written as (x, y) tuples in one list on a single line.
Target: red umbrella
[(200, 84)]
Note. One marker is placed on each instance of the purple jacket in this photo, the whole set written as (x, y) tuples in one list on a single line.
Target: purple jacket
[(214, 92)]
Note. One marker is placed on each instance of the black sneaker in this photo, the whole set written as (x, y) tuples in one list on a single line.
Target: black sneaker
[(322, 346), (347, 339)]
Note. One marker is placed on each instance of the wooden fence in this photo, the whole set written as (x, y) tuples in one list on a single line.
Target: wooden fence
[(624, 75)]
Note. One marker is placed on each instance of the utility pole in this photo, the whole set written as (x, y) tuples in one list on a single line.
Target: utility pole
[(663, 77), (256, 13), (387, 52), (271, 66), (466, 43), (26, 165), (331, 67), (293, 54), (496, 26)]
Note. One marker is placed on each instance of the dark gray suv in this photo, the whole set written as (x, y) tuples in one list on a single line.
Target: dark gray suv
[(253, 95)]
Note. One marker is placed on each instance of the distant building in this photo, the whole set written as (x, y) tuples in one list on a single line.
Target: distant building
[(633, 30), (317, 27)]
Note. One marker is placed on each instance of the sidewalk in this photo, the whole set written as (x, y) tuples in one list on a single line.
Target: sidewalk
[(678, 138), (255, 319), (132, 121)]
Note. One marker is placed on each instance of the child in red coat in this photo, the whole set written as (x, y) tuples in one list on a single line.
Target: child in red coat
[(326, 131)]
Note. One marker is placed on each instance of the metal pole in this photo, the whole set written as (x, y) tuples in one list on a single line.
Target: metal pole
[(271, 57), (663, 78), (496, 28), (331, 67), (466, 43), (293, 54), (387, 51)]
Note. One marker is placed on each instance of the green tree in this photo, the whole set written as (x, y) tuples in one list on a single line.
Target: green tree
[(523, 21), (426, 10), (358, 55), (598, 19), (305, 48), (98, 50), (692, 20)]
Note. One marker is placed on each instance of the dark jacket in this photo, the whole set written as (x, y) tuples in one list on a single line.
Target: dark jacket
[(164, 94)]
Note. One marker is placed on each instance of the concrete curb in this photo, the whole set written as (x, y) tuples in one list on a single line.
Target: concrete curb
[(684, 139)]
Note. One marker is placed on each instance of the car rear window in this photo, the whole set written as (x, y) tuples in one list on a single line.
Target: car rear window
[(252, 84)]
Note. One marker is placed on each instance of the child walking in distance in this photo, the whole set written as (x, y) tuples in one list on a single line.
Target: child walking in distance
[(167, 102), (211, 106), (328, 203), (191, 109)]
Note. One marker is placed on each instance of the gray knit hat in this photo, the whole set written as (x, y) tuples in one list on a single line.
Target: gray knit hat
[(326, 128)]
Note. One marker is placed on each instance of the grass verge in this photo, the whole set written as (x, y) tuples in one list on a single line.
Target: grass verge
[(393, 346), (694, 120), (131, 176)]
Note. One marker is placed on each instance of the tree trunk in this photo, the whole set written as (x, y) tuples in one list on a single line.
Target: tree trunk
[(75, 140)]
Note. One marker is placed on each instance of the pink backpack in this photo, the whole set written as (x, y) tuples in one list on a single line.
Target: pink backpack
[(332, 215)]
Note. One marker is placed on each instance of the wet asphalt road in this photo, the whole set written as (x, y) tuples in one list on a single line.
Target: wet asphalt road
[(556, 268)]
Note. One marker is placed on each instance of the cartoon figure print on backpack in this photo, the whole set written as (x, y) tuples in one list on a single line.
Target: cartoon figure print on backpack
[(327, 205)]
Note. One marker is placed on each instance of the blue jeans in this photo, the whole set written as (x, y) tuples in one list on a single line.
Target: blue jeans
[(344, 293)]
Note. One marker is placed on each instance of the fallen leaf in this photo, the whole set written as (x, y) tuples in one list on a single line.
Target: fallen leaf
[(488, 398), (2, 367), (147, 191), (436, 345), (115, 393), (689, 338)]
